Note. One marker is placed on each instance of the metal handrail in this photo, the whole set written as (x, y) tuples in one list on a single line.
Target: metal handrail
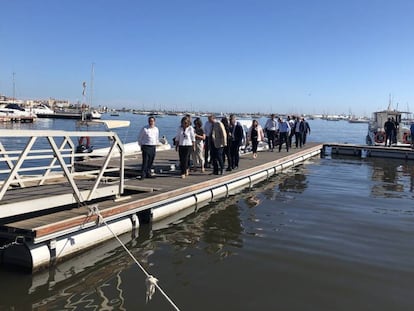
[(58, 158)]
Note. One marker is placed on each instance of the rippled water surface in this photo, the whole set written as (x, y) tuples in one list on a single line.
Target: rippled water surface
[(331, 234)]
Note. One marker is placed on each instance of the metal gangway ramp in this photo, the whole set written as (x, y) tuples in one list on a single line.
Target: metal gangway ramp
[(37, 170)]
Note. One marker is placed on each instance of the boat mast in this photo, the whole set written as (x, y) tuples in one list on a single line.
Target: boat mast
[(83, 93), (389, 102), (91, 92), (14, 88)]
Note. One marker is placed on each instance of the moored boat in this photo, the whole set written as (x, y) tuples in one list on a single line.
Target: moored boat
[(358, 120), (95, 114), (40, 109), (376, 132), (131, 148), (70, 114), (13, 112)]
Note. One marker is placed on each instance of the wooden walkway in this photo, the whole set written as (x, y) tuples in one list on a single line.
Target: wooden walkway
[(139, 195)]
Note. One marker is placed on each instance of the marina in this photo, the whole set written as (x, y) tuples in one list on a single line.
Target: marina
[(89, 222), (73, 190), (61, 242)]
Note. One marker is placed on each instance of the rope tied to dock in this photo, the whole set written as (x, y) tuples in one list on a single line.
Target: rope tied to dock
[(151, 282), (17, 241)]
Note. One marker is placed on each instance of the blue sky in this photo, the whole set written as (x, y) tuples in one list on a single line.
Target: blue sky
[(287, 56)]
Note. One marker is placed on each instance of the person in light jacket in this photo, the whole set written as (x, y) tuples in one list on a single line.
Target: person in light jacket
[(218, 142), (255, 135), (198, 154)]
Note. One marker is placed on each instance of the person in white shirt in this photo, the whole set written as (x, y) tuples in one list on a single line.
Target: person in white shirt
[(185, 144), (299, 129), (291, 120), (270, 128), (148, 140)]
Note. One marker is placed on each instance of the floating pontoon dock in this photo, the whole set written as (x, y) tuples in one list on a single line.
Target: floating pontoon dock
[(56, 209), (393, 152), (50, 215)]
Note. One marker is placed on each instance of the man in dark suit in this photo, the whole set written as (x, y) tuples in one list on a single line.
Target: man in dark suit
[(237, 137)]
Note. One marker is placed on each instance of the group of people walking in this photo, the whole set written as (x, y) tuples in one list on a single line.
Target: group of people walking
[(282, 131), (219, 141), (223, 140)]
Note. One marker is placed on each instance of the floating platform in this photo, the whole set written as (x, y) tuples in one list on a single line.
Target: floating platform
[(52, 233), (67, 115), (361, 151), (17, 119)]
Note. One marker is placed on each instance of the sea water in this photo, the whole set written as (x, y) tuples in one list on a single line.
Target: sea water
[(330, 234)]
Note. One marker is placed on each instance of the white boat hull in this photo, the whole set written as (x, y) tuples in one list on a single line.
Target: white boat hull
[(129, 148)]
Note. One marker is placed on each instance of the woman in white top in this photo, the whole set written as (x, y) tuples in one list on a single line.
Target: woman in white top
[(185, 143)]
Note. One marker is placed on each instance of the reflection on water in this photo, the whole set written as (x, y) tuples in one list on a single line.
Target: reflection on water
[(290, 181), (222, 229), (392, 178), (332, 234)]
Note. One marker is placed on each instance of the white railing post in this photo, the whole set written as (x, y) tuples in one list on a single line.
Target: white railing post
[(9, 163), (15, 169), (68, 174)]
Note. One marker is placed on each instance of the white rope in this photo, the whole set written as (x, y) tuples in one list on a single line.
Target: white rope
[(151, 282)]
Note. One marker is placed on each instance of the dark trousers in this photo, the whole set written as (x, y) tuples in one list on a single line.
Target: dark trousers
[(298, 138), (271, 136), (283, 139), (290, 138), (304, 138), (148, 156), (227, 154), (389, 136), (255, 143), (234, 154), (184, 153), (217, 159)]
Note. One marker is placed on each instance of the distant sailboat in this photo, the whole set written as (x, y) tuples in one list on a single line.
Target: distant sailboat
[(94, 114)]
